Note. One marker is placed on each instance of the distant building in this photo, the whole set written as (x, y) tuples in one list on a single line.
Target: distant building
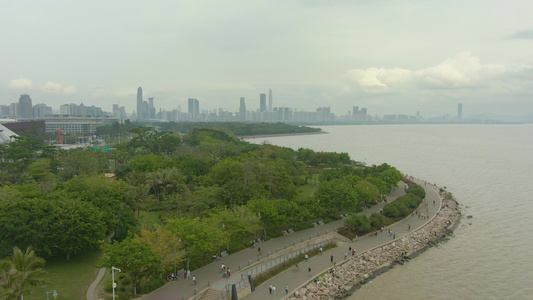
[(25, 108), (270, 100), (460, 112), (77, 123), (140, 110), (262, 103), (194, 108), (242, 110)]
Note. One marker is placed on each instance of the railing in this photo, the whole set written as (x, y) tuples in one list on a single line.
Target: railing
[(267, 265)]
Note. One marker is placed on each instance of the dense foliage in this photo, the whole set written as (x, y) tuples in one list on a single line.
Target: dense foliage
[(206, 192)]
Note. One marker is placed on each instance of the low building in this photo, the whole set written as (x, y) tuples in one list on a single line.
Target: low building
[(76, 123)]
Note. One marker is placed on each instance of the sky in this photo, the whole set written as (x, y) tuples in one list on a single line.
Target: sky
[(388, 56)]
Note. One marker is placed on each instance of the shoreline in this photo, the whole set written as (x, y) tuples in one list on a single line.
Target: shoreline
[(249, 137), (350, 275)]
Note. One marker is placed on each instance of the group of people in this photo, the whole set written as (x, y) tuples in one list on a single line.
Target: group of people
[(226, 272)]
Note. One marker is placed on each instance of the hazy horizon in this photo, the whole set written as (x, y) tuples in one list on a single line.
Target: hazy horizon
[(390, 57)]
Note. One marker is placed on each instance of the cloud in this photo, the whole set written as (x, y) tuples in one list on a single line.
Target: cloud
[(20, 83), (522, 35), (461, 71), (57, 88)]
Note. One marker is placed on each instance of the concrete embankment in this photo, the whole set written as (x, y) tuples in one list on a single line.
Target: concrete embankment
[(346, 278)]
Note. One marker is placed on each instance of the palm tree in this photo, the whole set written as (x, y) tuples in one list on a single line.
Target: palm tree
[(19, 271)]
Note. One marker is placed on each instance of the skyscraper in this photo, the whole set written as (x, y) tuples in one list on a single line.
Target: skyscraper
[(25, 107), (262, 102), (140, 112), (460, 112), (194, 108), (270, 100), (242, 110)]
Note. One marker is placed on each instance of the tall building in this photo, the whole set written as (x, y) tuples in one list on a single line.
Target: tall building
[(151, 108), (194, 108), (262, 102), (242, 110), (270, 100), (460, 112), (25, 108), (140, 110)]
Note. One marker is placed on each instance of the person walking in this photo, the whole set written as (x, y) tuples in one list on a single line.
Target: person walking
[(331, 258), (273, 290), (270, 289), (194, 280), (306, 257), (286, 289), (309, 272)]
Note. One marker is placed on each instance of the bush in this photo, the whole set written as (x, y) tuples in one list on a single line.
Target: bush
[(359, 224), (126, 281), (377, 220)]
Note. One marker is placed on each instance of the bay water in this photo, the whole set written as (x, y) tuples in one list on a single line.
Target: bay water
[(488, 168)]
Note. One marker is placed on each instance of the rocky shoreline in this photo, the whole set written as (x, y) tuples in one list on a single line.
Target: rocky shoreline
[(352, 274)]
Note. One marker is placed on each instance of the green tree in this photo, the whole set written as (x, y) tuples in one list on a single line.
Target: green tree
[(267, 210), (198, 236), (75, 226), (359, 224), (238, 221), (19, 271), (135, 259)]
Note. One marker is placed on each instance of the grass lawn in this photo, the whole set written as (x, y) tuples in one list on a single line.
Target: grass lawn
[(69, 278)]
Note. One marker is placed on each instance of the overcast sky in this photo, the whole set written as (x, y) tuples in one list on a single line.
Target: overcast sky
[(388, 56)]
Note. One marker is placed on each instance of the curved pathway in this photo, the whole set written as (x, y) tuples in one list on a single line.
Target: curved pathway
[(92, 287), (210, 276), (321, 263)]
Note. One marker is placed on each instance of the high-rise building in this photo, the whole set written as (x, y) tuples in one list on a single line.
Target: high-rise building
[(460, 112), (270, 100), (151, 108), (25, 108), (262, 102), (140, 112), (355, 112), (194, 108), (242, 110)]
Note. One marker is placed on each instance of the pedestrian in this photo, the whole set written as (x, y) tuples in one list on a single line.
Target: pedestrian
[(353, 251), (273, 290), (408, 226), (259, 250), (296, 267), (223, 268), (188, 274), (306, 257), (286, 289), (229, 272), (270, 289), (309, 271), (321, 250), (345, 255), (194, 280), (331, 258), (350, 249), (394, 237)]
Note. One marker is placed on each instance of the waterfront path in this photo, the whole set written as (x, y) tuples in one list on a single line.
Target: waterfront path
[(211, 275), (321, 263)]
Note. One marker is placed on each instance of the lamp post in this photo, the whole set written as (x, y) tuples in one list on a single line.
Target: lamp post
[(113, 279), (54, 294)]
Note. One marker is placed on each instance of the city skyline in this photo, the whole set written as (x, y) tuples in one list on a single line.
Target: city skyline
[(391, 57)]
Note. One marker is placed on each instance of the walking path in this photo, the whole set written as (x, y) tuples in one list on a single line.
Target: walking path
[(90, 290), (211, 276), (322, 263)]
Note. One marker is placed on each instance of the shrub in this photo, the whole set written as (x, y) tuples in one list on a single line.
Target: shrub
[(376, 220), (359, 224)]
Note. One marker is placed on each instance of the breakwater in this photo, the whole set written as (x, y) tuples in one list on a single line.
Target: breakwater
[(345, 278)]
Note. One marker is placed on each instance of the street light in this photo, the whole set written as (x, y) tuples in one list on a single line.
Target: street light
[(54, 294), (113, 279)]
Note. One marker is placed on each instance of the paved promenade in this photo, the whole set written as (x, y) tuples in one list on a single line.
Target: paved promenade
[(210, 274), (322, 263)]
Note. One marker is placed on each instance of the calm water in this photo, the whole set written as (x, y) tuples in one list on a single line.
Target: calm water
[(489, 169)]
